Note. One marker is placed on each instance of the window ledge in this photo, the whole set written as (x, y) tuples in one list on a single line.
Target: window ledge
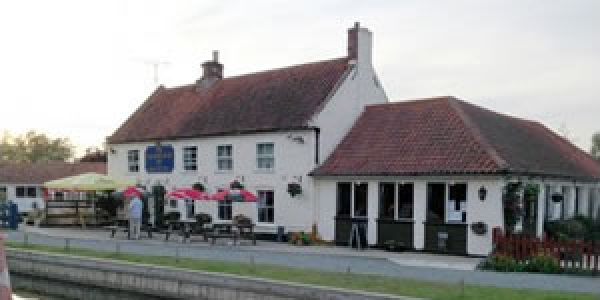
[(264, 171), (223, 171)]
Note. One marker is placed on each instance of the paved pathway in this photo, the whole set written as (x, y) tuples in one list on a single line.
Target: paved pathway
[(438, 268)]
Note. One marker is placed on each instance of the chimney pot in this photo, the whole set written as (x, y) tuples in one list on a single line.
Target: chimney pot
[(212, 71)]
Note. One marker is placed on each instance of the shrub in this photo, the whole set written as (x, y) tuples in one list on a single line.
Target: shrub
[(578, 228), (542, 264), (537, 264), (501, 263), (573, 229)]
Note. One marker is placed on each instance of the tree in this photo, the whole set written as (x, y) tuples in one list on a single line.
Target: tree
[(94, 154), (34, 147), (595, 151)]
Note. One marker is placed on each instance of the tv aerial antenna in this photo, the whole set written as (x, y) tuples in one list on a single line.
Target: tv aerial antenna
[(156, 66)]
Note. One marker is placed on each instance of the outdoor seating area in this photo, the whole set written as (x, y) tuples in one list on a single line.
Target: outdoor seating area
[(190, 212)]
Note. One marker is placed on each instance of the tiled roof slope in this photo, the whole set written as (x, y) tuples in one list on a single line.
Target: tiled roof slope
[(448, 136), (277, 99), (38, 173)]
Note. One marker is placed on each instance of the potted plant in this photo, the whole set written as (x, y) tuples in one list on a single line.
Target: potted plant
[(199, 187), (294, 189)]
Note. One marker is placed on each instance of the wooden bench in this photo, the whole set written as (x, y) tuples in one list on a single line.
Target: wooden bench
[(227, 231)]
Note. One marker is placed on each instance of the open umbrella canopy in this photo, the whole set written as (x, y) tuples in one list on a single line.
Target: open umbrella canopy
[(236, 195), (88, 182), (132, 191), (188, 193)]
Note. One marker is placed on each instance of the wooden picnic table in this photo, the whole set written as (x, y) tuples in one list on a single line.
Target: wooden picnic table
[(233, 231)]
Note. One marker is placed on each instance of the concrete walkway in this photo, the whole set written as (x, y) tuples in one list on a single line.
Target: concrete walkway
[(430, 267)]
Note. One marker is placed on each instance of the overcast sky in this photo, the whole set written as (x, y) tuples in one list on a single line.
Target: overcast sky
[(80, 68)]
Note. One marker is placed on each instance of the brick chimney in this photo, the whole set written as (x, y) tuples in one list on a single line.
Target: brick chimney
[(360, 43), (212, 71)]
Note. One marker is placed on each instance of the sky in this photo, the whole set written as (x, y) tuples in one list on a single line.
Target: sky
[(78, 69)]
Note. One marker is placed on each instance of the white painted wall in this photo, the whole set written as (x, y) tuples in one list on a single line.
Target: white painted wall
[(489, 211), (293, 161), (24, 204), (360, 88)]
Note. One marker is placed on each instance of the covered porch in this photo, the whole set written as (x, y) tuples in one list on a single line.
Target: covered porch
[(444, 214)]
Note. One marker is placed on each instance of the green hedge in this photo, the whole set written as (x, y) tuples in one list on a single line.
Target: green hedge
[(536, 264), (578, 228)]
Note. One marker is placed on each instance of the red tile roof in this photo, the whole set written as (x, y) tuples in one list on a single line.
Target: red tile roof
[(449, 136), (38, 173), (265, 101)]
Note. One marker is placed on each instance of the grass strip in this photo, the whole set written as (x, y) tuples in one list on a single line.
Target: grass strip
[(347, 280)]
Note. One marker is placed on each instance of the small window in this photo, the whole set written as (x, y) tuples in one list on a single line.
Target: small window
[(266, 207), (386, 200), (225, 210), (190, 158), (265, 156), (225, 157), (457, 203), (31, 192), (405, 200), (577, 200), (3, 194), (344, 192), (173, 203), (21, 191), (133, 160), (360, 199), (59, 196)]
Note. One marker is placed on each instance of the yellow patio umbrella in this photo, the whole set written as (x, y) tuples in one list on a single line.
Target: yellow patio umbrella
[(89, 182)]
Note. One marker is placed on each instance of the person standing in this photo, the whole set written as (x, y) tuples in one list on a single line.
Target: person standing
[(135, 217)]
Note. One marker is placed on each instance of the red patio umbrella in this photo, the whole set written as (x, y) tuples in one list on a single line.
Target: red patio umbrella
[(188, 193), (238, 195), (132, 191)]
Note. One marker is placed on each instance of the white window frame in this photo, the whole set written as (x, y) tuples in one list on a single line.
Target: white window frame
[(223, 204), (225, 157), (26, 189), (133, 161), (261, 205), (269, 158), (190, 158)]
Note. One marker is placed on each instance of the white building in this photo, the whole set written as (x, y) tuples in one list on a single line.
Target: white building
[(266, 129), (426, 174), (22, 183)]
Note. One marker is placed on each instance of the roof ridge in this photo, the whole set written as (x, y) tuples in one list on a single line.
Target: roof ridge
[(341, 58), (455, 104), (410, 101)]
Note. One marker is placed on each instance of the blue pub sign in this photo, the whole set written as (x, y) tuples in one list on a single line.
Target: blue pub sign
[(160, 159)]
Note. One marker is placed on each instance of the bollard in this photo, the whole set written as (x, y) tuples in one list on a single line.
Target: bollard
[(25, 239), (67, 244), (462, 288), (176, 254), (117, 248), (252, 264), (5, 290)]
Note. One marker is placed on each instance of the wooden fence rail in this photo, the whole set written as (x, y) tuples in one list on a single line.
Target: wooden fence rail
[(571, 255)]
